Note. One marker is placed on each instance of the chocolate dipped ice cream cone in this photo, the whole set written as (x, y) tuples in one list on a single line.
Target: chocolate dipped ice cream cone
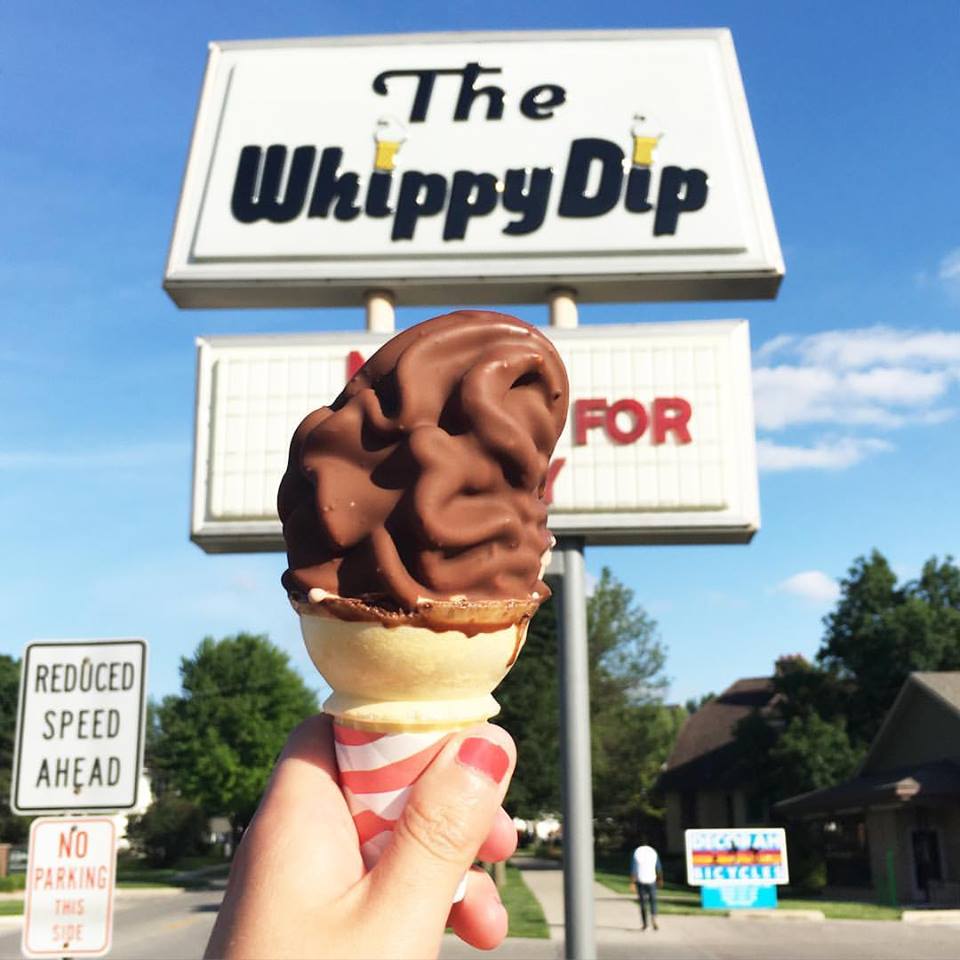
[(417, 542)]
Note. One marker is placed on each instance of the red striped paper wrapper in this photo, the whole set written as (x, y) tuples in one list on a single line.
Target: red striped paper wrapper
[(377, 771)]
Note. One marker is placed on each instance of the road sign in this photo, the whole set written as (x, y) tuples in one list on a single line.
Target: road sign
[(658, 446), (80, 726), (738, 855), (473, 167), (68, 906)]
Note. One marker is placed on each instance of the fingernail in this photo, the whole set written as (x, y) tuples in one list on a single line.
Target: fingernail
[(483, 755)]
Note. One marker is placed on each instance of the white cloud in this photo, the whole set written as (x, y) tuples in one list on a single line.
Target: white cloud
[(949, 271), (866, 380), (813, 585), (825, 455), (883, 396), (868, 346)]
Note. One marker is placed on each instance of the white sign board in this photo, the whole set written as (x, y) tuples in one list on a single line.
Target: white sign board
[(68, 904), (80, 726), (739, 855), (473, 167), (658, 447)]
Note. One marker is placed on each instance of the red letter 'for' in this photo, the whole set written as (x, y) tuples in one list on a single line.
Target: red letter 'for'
[(636, 412), (555, 467), (671, 415), (587, 414), (354, 362)]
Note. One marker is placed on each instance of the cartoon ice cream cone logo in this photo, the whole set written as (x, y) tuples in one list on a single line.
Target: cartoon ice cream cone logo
[(645, 140), (389, 137)]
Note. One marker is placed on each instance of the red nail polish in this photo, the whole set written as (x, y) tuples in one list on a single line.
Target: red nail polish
[(483, 755)]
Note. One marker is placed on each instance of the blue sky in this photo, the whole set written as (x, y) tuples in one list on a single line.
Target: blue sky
[(856, 363)]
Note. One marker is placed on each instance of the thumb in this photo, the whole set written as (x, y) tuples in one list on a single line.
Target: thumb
[(450, 812)]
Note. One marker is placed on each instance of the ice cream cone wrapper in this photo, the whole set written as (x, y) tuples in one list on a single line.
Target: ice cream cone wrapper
[(377, 772), (399, 688)]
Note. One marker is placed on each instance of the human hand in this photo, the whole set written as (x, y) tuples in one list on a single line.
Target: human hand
[(298, 887)]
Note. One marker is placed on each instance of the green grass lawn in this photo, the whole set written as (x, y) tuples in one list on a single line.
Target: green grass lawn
[(526, 916), (11, 908), (679, 898), (842, 909), (133, 872)]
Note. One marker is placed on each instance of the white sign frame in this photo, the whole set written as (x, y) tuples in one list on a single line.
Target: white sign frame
[(100, 908), (735, 522), (29, 735), (781, 875), (750, 268)]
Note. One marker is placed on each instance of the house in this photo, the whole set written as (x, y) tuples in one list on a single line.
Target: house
[(895, 825), (704, 782)]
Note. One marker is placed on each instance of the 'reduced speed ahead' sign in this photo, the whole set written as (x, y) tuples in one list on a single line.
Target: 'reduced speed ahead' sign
[(80, 726)]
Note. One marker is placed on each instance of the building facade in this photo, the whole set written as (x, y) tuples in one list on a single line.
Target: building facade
[(704, 781), (895, 825)]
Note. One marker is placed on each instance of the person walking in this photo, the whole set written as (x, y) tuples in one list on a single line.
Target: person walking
[(646, 874)]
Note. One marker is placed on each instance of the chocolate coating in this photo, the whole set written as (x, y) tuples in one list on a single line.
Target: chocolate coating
[(424, 479)]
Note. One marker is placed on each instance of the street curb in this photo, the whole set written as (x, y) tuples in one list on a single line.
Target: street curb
[(811, 916), (11, 921), (123, 892), (930, 917)]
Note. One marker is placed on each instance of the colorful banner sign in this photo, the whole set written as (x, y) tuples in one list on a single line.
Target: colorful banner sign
[(745, 855)]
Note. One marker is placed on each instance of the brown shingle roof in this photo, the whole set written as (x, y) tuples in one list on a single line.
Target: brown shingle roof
[(929, 781), (945, 683), (704, 753)]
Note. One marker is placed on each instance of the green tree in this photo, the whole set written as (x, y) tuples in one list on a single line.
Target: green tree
[(215, 744), (631, 731), (626, 656), (811, 753), (529, 709), (171, 828), (880, 632), (13, 829)]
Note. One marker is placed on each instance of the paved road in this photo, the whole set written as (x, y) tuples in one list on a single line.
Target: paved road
[(171, 926), (177, 927)]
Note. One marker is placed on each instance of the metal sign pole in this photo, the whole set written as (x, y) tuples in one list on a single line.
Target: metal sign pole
[(575, 753), (574, 666)]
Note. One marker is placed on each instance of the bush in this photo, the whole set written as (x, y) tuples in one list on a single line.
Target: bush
[(548, 849), (171, 828)]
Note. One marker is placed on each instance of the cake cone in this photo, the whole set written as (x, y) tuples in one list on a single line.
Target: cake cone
[(401, 683)]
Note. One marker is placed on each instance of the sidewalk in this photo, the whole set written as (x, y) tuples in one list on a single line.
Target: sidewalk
[(615, 913)]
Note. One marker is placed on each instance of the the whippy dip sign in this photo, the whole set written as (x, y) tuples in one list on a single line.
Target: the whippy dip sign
[(622, 163)]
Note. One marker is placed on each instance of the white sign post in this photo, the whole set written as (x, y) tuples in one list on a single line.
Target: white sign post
[(68, 907), (80, 726)]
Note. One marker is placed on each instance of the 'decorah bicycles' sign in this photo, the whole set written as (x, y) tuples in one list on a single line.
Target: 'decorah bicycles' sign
[(735, 856), (473, 166)]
